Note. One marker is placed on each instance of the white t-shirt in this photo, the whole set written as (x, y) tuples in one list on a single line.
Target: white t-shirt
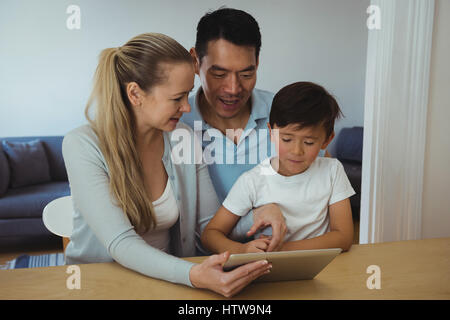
[(303, 198), (166, 212)]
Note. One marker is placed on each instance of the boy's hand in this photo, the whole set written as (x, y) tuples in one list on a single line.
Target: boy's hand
[(258, 245), (269, 215), (263, 236)]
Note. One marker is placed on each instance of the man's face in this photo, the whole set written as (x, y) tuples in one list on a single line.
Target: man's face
[(227, 75)]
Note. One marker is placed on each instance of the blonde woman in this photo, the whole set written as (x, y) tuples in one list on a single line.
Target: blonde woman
[(133, 204)]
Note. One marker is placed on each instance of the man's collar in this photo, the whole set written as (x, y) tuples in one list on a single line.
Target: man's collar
[(259, 111)]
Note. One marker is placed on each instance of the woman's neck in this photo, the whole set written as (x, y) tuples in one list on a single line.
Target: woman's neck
[(146, 137)]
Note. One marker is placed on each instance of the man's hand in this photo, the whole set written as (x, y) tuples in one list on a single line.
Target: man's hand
[(269, 215)]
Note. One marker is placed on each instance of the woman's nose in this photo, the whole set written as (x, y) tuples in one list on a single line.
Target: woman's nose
[(186, 107)]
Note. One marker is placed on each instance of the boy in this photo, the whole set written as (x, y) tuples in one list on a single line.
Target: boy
[(312, 192)]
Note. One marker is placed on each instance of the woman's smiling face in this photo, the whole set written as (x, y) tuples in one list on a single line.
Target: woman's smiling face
[(163, 106)]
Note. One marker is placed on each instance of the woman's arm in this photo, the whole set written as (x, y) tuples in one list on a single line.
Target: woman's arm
[(89, 184), (339, 236)]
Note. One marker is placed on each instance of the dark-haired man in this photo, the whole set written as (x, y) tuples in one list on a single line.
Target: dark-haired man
[(230, 114)]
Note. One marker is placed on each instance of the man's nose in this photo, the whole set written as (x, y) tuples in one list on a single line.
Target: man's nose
[(233, 84)]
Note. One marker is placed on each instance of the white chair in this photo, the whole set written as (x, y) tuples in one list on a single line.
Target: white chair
[(57, 217)]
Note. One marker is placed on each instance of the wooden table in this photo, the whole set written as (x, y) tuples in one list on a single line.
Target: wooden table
[(418, 269)]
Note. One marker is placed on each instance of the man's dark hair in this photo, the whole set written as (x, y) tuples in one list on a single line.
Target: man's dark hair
[(235, 26), (306, 104)]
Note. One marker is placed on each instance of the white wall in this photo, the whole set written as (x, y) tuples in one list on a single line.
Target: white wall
[(46, 70), (436, 200)]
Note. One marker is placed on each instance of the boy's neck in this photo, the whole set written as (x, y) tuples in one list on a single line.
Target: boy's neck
[(275, 164)]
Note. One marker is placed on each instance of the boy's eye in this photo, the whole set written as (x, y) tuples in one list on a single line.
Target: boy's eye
[(219, 75), (178, 99), (309, 143), (286, 140)]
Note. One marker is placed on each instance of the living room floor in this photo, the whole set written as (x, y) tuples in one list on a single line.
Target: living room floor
[(7, 256)]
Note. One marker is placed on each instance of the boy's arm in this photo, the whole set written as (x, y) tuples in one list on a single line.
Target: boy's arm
[(339, 236), (214, 237)]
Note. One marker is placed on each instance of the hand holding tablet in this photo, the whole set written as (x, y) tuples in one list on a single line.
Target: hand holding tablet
[(287, 265)]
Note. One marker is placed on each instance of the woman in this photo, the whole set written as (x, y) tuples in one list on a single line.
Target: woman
[(132, 202)]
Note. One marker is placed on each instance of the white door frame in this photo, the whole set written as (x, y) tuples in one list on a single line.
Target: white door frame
[(395, 118)]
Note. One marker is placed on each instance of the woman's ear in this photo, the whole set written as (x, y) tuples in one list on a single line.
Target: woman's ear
[(195, 60), (134, 94)]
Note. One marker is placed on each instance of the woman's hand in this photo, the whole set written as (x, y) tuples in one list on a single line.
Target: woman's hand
[(270, 215), (210, 275)]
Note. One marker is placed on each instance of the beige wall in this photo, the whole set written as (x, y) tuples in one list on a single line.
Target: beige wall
[(436, 187)]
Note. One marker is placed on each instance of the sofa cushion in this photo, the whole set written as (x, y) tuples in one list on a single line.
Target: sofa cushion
[(28, 202), (4, 172), (25, 234), (350, 144), (53, 148), (28, 163)]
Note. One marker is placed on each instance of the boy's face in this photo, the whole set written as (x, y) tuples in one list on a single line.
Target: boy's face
[(298, 148)]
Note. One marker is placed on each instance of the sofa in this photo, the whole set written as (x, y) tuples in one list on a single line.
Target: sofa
[(349, 146), (32, 174)]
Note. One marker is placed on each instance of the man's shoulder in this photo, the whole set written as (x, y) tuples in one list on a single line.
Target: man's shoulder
[(262, 103), (264, 94), (263, 97)]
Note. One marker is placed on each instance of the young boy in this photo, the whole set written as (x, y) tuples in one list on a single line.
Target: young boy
[(312, 192)]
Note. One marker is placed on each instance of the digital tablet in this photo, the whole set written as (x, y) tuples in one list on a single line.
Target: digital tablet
[(287, 265)]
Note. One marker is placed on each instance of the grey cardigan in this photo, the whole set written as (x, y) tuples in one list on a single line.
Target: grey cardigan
[(103, 233)]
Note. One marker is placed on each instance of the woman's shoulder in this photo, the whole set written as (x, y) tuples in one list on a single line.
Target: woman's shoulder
[(85, 131), (82, 137)]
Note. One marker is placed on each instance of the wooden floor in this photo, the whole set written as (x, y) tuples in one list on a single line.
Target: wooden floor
[(7, 256), (12, 255)]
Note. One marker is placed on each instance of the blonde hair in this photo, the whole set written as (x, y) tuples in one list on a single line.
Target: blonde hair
[(139, 60)]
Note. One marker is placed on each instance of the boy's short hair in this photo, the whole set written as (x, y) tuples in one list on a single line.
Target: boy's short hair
[(235, 26), (306, 104)]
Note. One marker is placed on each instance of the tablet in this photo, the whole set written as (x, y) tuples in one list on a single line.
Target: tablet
[(287, 265)]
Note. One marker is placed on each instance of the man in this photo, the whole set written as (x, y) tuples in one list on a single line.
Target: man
[(230, 113), (226, 57)]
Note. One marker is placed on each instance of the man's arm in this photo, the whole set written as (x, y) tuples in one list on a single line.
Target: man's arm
[(267, 220), (339, 236)]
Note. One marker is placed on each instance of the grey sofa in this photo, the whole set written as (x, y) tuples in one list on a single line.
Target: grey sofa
[(21, 207), (349, 152)]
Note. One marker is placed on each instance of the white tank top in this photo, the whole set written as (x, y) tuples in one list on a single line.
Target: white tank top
[(166, 211)]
